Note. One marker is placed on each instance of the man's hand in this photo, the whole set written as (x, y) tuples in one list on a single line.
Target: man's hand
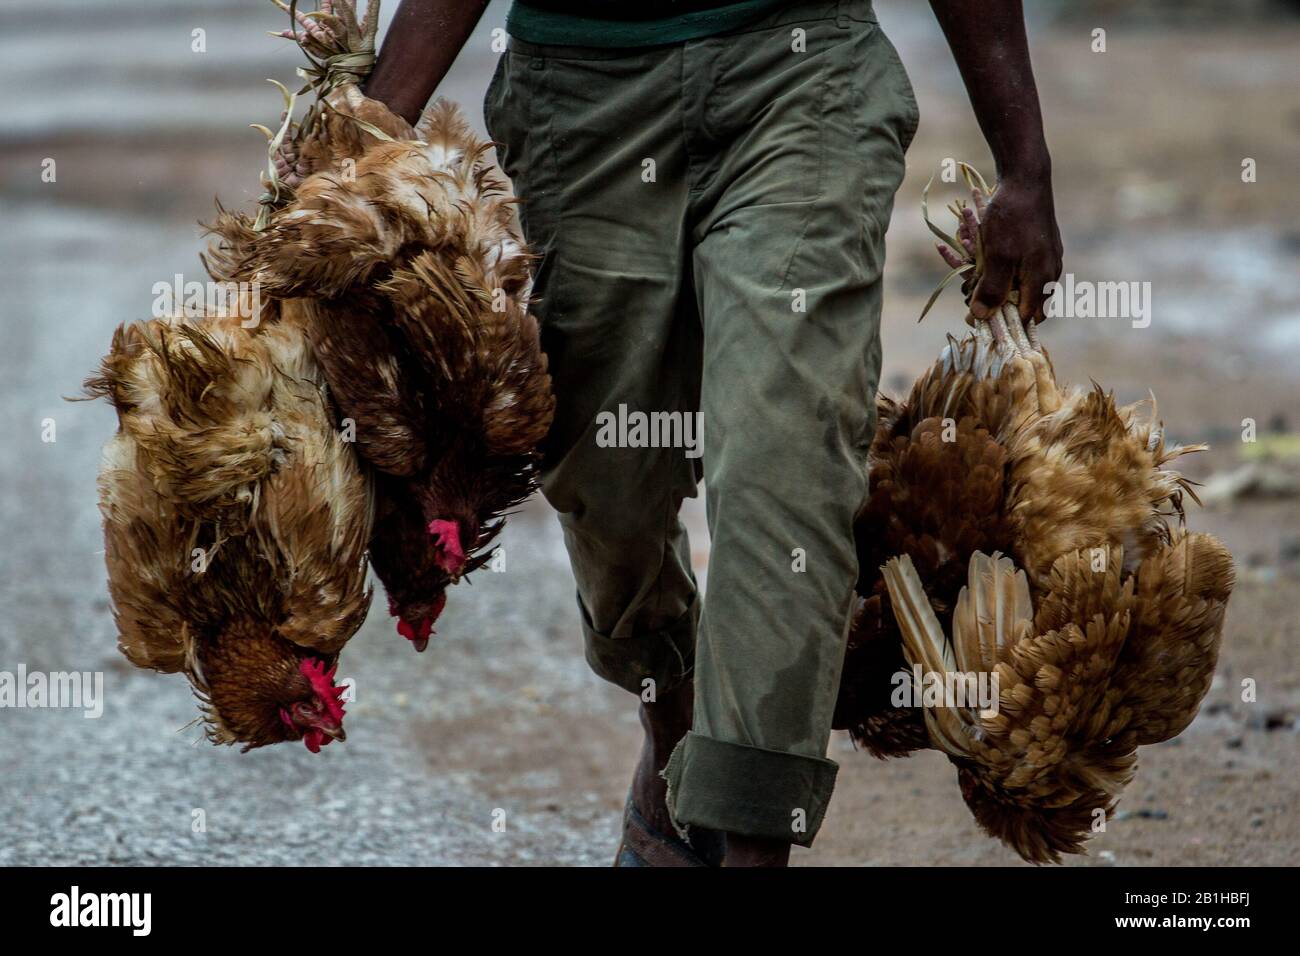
[(422, 42), (1022, 249), (1022, 245)]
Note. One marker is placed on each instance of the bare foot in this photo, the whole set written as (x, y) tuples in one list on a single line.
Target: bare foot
[(666, 721)]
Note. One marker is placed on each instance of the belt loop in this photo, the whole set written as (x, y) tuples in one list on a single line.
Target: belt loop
[(842, 14)]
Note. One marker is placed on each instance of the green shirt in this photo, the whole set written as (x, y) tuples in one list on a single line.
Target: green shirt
[(616, 23)]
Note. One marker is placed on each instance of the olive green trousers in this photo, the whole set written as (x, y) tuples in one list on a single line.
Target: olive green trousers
[(710, 220)]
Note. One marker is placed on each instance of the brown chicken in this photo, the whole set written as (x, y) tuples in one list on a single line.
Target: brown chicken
[(236, 520), (939, 501), (1102, 668), (408, 273), (988, 454)]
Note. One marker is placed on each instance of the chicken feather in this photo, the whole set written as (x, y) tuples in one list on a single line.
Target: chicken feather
[(413, 285), (235, 521), (1101, 624)]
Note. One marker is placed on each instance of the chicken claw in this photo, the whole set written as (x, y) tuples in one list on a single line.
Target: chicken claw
[(949, 256), (1031, 333), (1016, 327), (968, 231)]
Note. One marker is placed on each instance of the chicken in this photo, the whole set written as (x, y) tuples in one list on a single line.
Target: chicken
[(1109, 662), (990, 456), (939, 501), (236, 520), (413, 285), (413, 574)]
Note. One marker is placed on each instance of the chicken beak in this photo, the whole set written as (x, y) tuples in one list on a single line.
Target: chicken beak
[(337, 733)]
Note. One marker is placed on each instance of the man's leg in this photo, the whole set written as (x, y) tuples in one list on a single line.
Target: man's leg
[(592, 140), (809, 139)]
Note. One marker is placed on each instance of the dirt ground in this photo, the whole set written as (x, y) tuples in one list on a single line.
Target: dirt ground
[(501, 714)]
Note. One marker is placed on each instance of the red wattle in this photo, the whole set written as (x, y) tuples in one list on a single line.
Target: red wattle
[(417, 633)]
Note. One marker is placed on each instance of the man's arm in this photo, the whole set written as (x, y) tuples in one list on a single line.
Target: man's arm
[(422, 42), (1022, 245)]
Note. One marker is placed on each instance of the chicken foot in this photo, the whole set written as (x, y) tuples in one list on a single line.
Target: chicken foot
[(964, 254)]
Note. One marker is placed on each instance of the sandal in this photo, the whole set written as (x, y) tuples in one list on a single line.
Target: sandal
[(643, 845)]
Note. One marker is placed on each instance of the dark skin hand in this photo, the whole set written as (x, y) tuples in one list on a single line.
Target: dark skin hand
[(422, 43), (1022, 245)]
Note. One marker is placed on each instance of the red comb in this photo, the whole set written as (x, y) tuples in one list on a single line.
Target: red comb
[(322, 683), (447, 535)]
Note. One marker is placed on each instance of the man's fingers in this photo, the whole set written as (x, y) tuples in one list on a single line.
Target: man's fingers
[(1034, 280), (992, 290), (1032, 297)]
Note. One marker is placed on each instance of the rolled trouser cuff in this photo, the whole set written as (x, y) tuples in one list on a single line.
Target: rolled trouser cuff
[(747, 790), (665, 656)]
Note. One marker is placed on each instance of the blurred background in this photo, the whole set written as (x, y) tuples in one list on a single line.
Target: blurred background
[(1148, 139)]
